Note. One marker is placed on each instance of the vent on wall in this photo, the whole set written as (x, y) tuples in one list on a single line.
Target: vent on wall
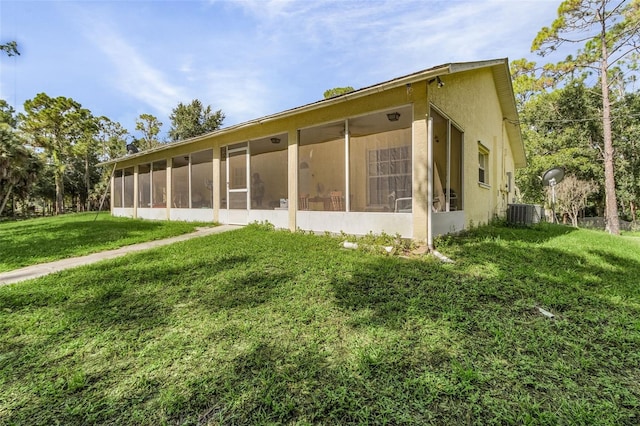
[(524, 214)]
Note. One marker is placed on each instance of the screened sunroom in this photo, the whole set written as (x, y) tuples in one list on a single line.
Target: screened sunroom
[(404, 157)]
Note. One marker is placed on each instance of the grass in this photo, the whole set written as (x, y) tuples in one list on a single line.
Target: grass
[(269, 327), (43, 240)]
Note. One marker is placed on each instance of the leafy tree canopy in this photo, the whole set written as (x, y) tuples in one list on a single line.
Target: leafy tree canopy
[(150, 126), (188, 121), (337, 91), (561, 128), (19, 166), (112, 139), (56, 125), (8, 114), (607, 31)]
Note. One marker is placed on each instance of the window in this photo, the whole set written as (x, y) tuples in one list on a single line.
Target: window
[(269, 172), (389, 175), (128, 187), (159, 184), (483, 164), (456, 144), (192, 180), (180, 182), (144, 185), (321, 165), (448, 147), (117, 188), (202, 179), (380, 166)]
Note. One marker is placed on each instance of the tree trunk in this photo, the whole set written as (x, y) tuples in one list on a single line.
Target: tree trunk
[(6, 197), (58, 175), (59, 193), (611, 202), (87, 182)]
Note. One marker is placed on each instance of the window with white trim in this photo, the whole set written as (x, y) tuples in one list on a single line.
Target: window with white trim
[(483, 164)]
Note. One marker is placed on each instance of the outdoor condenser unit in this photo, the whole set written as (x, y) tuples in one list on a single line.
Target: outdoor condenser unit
[(524, 214)]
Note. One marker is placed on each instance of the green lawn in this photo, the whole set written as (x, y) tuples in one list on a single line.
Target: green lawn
[(255, 326), (42, 240)]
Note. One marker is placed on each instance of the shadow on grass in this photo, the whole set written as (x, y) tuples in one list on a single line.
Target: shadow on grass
[(288, 382), (619, 275), (537, 233), (128, 307), (488, 301), (488, 273), (399, 341)]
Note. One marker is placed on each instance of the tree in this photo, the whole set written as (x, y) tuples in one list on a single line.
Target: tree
[(19, 166), (55, 125), (8, 114), (112, 139), (571, 196), (529, 80), (45, 187), (626, 124), (150, 126), (560, 128), (608, 31), (337, 91), (86, 149), (188, 121), (10, 48)]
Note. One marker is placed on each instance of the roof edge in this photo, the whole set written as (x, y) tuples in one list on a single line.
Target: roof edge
[(433, 72)]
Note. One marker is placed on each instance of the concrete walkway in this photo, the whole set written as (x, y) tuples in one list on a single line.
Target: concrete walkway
[(35, 271)]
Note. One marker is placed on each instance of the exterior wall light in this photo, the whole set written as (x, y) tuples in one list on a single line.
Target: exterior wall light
[(393, 116), (275, 140), (437, 80)]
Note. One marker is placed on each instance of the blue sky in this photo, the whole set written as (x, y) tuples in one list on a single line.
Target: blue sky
[(249, 58)]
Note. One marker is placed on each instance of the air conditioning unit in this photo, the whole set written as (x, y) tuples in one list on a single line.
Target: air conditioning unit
[(524, 214)]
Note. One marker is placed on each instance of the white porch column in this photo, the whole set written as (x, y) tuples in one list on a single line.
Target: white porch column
[(292, 163)]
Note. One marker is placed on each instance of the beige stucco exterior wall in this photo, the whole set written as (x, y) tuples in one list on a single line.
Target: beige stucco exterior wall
[(470, 100)]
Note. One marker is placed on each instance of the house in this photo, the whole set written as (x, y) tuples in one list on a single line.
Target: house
[(421, 155)]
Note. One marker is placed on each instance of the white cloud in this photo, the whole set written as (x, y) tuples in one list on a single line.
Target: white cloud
[(256, 57), (133, 75), (376, 40), (242, 95)]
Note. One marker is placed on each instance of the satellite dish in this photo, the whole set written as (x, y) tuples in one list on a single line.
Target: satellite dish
[(553, 176)]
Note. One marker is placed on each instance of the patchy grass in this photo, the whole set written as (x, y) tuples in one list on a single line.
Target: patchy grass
[(43, 240), (268, 327)]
